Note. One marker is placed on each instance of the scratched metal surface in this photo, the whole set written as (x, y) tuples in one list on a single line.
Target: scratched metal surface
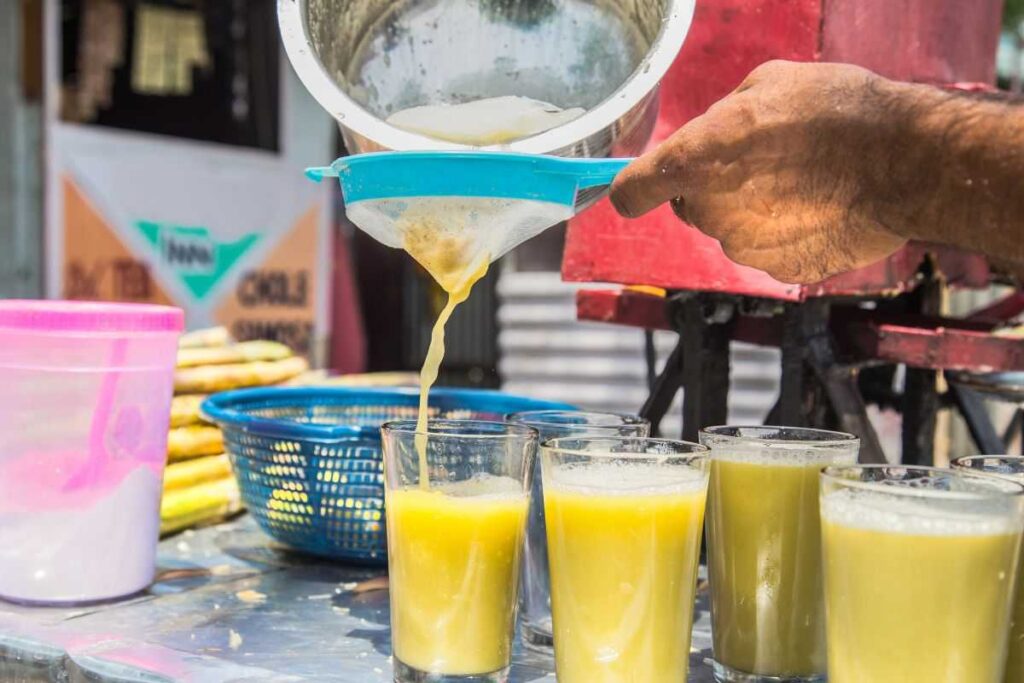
[(230, 606)]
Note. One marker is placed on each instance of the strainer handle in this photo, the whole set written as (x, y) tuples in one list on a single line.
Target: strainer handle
[(318, 173), (597, 172)]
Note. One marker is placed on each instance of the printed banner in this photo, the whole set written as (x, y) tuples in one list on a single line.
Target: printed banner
[(236, 237)]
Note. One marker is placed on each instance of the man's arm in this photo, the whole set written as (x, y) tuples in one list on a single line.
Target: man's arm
[(808, 170)]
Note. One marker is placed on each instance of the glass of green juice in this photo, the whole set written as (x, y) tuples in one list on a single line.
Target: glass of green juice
[(624, 518), (764, 550), (1012, 467), (920, 573), (456, 501)]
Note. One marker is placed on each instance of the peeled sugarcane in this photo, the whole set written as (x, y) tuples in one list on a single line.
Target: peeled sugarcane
[(182, 475), (211, 378), (205, 503), (244, 352), (185, 410), (213, 336), (194, 441)]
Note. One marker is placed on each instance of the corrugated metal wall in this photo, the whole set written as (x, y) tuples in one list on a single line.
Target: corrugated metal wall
[(547, 353)]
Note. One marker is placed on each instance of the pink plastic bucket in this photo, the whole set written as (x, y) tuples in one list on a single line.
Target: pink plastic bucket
[(85, 393)]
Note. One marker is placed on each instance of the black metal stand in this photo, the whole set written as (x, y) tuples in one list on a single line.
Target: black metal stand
[(921, 399), (816, 389), (979, 424)]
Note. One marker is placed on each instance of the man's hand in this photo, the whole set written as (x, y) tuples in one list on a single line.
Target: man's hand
[(801, 172)]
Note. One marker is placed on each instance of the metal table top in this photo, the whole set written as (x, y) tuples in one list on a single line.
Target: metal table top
[(230, 605)]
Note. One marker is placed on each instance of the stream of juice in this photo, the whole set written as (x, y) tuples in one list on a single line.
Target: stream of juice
[(456, 269), (432, 366), (439, 236)]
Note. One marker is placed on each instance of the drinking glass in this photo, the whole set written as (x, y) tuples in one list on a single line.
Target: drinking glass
[(920, 573), (455, 539), (624, 519), (1012, 467), (764, 550), (535, 593)]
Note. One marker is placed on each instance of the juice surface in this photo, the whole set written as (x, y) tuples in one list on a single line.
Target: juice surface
[(764, 563), (490, 121), (914, 597), (454, 556), (623, 576)]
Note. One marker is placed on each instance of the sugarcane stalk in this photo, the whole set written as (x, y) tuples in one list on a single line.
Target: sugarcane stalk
[(200, 504), (182, 475), (194, 441)]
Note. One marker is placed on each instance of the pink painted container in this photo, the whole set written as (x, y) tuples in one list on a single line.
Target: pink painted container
[(85, 395)]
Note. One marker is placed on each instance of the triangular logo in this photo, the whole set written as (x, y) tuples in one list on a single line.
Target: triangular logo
[(98, 265), (195, 257)]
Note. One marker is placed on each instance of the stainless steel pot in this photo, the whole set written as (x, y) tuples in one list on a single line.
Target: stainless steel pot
[(365, 59)]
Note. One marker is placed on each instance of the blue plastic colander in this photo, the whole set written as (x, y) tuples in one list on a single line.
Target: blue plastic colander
[(308, 460)]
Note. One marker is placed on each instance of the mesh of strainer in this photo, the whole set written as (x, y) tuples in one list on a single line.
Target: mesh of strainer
[(448, 233)]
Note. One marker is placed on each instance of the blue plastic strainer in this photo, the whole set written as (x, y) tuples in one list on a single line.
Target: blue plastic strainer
[(486, 202), (505, 175)]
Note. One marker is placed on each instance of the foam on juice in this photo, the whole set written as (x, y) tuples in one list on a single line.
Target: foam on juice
[(623, 479), (489, 121), (928, 513), (483, 486), (776, 455)]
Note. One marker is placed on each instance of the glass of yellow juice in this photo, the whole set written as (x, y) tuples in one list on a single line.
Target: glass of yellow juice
[(920, 573), (1012, 467), (456, 503), (764, 550), (624, 519), (535, 591)]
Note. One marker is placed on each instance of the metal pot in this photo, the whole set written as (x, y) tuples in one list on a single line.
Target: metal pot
[(366, 59)]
